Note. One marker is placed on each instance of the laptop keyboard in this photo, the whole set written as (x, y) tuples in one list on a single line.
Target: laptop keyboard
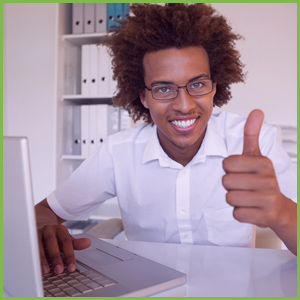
[(77, 283)]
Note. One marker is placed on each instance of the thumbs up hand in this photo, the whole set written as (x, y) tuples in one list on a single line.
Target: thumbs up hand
[(253, 189)]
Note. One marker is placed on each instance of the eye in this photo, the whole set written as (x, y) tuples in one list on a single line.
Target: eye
[(197, 85), (162, 89)]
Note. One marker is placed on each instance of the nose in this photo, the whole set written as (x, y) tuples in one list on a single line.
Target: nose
[(183, 103)]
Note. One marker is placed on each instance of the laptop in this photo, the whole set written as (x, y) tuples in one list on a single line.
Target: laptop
[(110, 270)]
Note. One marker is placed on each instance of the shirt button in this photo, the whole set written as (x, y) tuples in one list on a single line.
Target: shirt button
[(186, 236), (183, 211), (183, 172)]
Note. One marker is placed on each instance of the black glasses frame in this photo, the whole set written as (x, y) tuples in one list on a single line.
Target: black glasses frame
[(179, 87)]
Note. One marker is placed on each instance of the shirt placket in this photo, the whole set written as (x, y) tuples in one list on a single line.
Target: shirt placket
[(183, 206)]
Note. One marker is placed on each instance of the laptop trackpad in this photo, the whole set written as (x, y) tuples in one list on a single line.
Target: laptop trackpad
[(100, 258)]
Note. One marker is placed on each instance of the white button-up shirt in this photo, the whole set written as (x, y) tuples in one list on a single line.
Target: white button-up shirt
[(161, 200)]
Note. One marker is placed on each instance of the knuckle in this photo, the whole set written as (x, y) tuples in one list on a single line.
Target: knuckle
[(228, 181), (65, 240), (50, 239), (271, 183), (230, 197), (237, 214), (267, 164), (225, 181), (225, 163)]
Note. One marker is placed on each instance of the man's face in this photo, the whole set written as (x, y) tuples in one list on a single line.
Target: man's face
[(181, 122)]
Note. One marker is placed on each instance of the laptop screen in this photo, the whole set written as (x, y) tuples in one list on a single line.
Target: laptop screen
[(21, 263)]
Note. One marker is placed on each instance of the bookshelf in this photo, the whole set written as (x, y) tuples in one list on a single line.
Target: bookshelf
[(69, 95)]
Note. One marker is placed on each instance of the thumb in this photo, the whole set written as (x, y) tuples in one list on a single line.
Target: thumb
[(251, 132), (81, 243)]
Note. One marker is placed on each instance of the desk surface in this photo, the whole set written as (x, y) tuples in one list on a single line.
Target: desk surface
[(223, 271)]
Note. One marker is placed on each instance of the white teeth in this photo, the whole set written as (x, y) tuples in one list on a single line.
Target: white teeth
[(184, 124)]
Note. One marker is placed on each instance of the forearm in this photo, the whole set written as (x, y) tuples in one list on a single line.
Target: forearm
[(286, 229)]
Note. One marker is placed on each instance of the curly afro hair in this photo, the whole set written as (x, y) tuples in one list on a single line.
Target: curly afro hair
[(153, 27)]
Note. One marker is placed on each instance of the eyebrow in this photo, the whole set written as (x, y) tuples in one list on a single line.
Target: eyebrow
[(170, 82)]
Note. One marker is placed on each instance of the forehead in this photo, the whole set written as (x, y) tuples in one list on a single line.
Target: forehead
[(175, 65)]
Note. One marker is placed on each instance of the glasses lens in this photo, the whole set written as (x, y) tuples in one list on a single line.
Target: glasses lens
[(199, 87), (164, 91)]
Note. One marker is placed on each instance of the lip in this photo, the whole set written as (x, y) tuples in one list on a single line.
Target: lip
[(187, 129)]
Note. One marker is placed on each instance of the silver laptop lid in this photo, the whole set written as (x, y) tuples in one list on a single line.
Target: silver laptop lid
[(21, 263)]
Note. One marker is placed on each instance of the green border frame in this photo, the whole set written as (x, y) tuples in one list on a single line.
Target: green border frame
[(1, 86)]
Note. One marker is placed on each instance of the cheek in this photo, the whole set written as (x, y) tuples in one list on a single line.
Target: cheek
[(206, 104), (158, 111)]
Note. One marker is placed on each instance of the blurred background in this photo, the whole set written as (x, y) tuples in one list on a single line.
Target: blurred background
[(34, 60)]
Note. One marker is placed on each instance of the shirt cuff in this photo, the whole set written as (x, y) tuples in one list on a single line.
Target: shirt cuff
[(60, 211)]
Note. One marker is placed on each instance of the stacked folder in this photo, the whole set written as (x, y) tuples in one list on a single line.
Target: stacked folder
[(96, 17), (96, 71), (91, 124)]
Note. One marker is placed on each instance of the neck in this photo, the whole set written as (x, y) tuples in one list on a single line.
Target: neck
[(181, 154)]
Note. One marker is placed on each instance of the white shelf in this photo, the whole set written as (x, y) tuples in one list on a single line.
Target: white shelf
[(72, 157), (82, 97), (81, 39), (87, 99)]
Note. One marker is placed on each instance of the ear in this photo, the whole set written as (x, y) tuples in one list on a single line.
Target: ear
[(143, 99), (214, 89)]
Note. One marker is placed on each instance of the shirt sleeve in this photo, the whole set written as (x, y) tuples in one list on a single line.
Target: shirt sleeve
[(92, 183), (285, 172)]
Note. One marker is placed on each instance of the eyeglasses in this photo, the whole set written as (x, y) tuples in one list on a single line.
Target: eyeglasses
[(168, 91)]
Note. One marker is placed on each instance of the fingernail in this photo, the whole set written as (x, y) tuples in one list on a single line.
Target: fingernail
[(71, 267), (58, 269), (45, 269)]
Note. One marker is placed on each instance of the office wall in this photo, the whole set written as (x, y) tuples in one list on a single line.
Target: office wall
[(269, 51), (29, 107), (30, 55)]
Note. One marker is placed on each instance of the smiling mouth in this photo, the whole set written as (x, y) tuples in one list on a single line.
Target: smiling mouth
[(184, 123)]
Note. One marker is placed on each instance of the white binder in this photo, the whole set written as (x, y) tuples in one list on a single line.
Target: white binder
[(112, 82), (89, 18), (93, 69), (102, 129), (104, 65), (85, 72), (77, 18), (84, 131), (76, 130), (113, 120), (92, 128), (101, 17), (125, 120)]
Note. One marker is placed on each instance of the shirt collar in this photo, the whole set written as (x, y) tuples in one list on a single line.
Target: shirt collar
[(213, 142), (213, 145)]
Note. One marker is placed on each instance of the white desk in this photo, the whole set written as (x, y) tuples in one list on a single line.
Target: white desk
[(223, 271)]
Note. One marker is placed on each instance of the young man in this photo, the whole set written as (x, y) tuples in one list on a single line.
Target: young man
[(185, 176)]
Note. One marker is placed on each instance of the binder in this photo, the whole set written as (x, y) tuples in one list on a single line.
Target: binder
[(92, 128), (85, 72), (77, 18), (107, 121), (112, 82), (68, 129), (110, 15), (125, 120), (113, 120), (76, 130), (89, 17), (93, 69), (125, 10), (101, 17), (102, 123), (104, 65), (84, 131), (118, 12)]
